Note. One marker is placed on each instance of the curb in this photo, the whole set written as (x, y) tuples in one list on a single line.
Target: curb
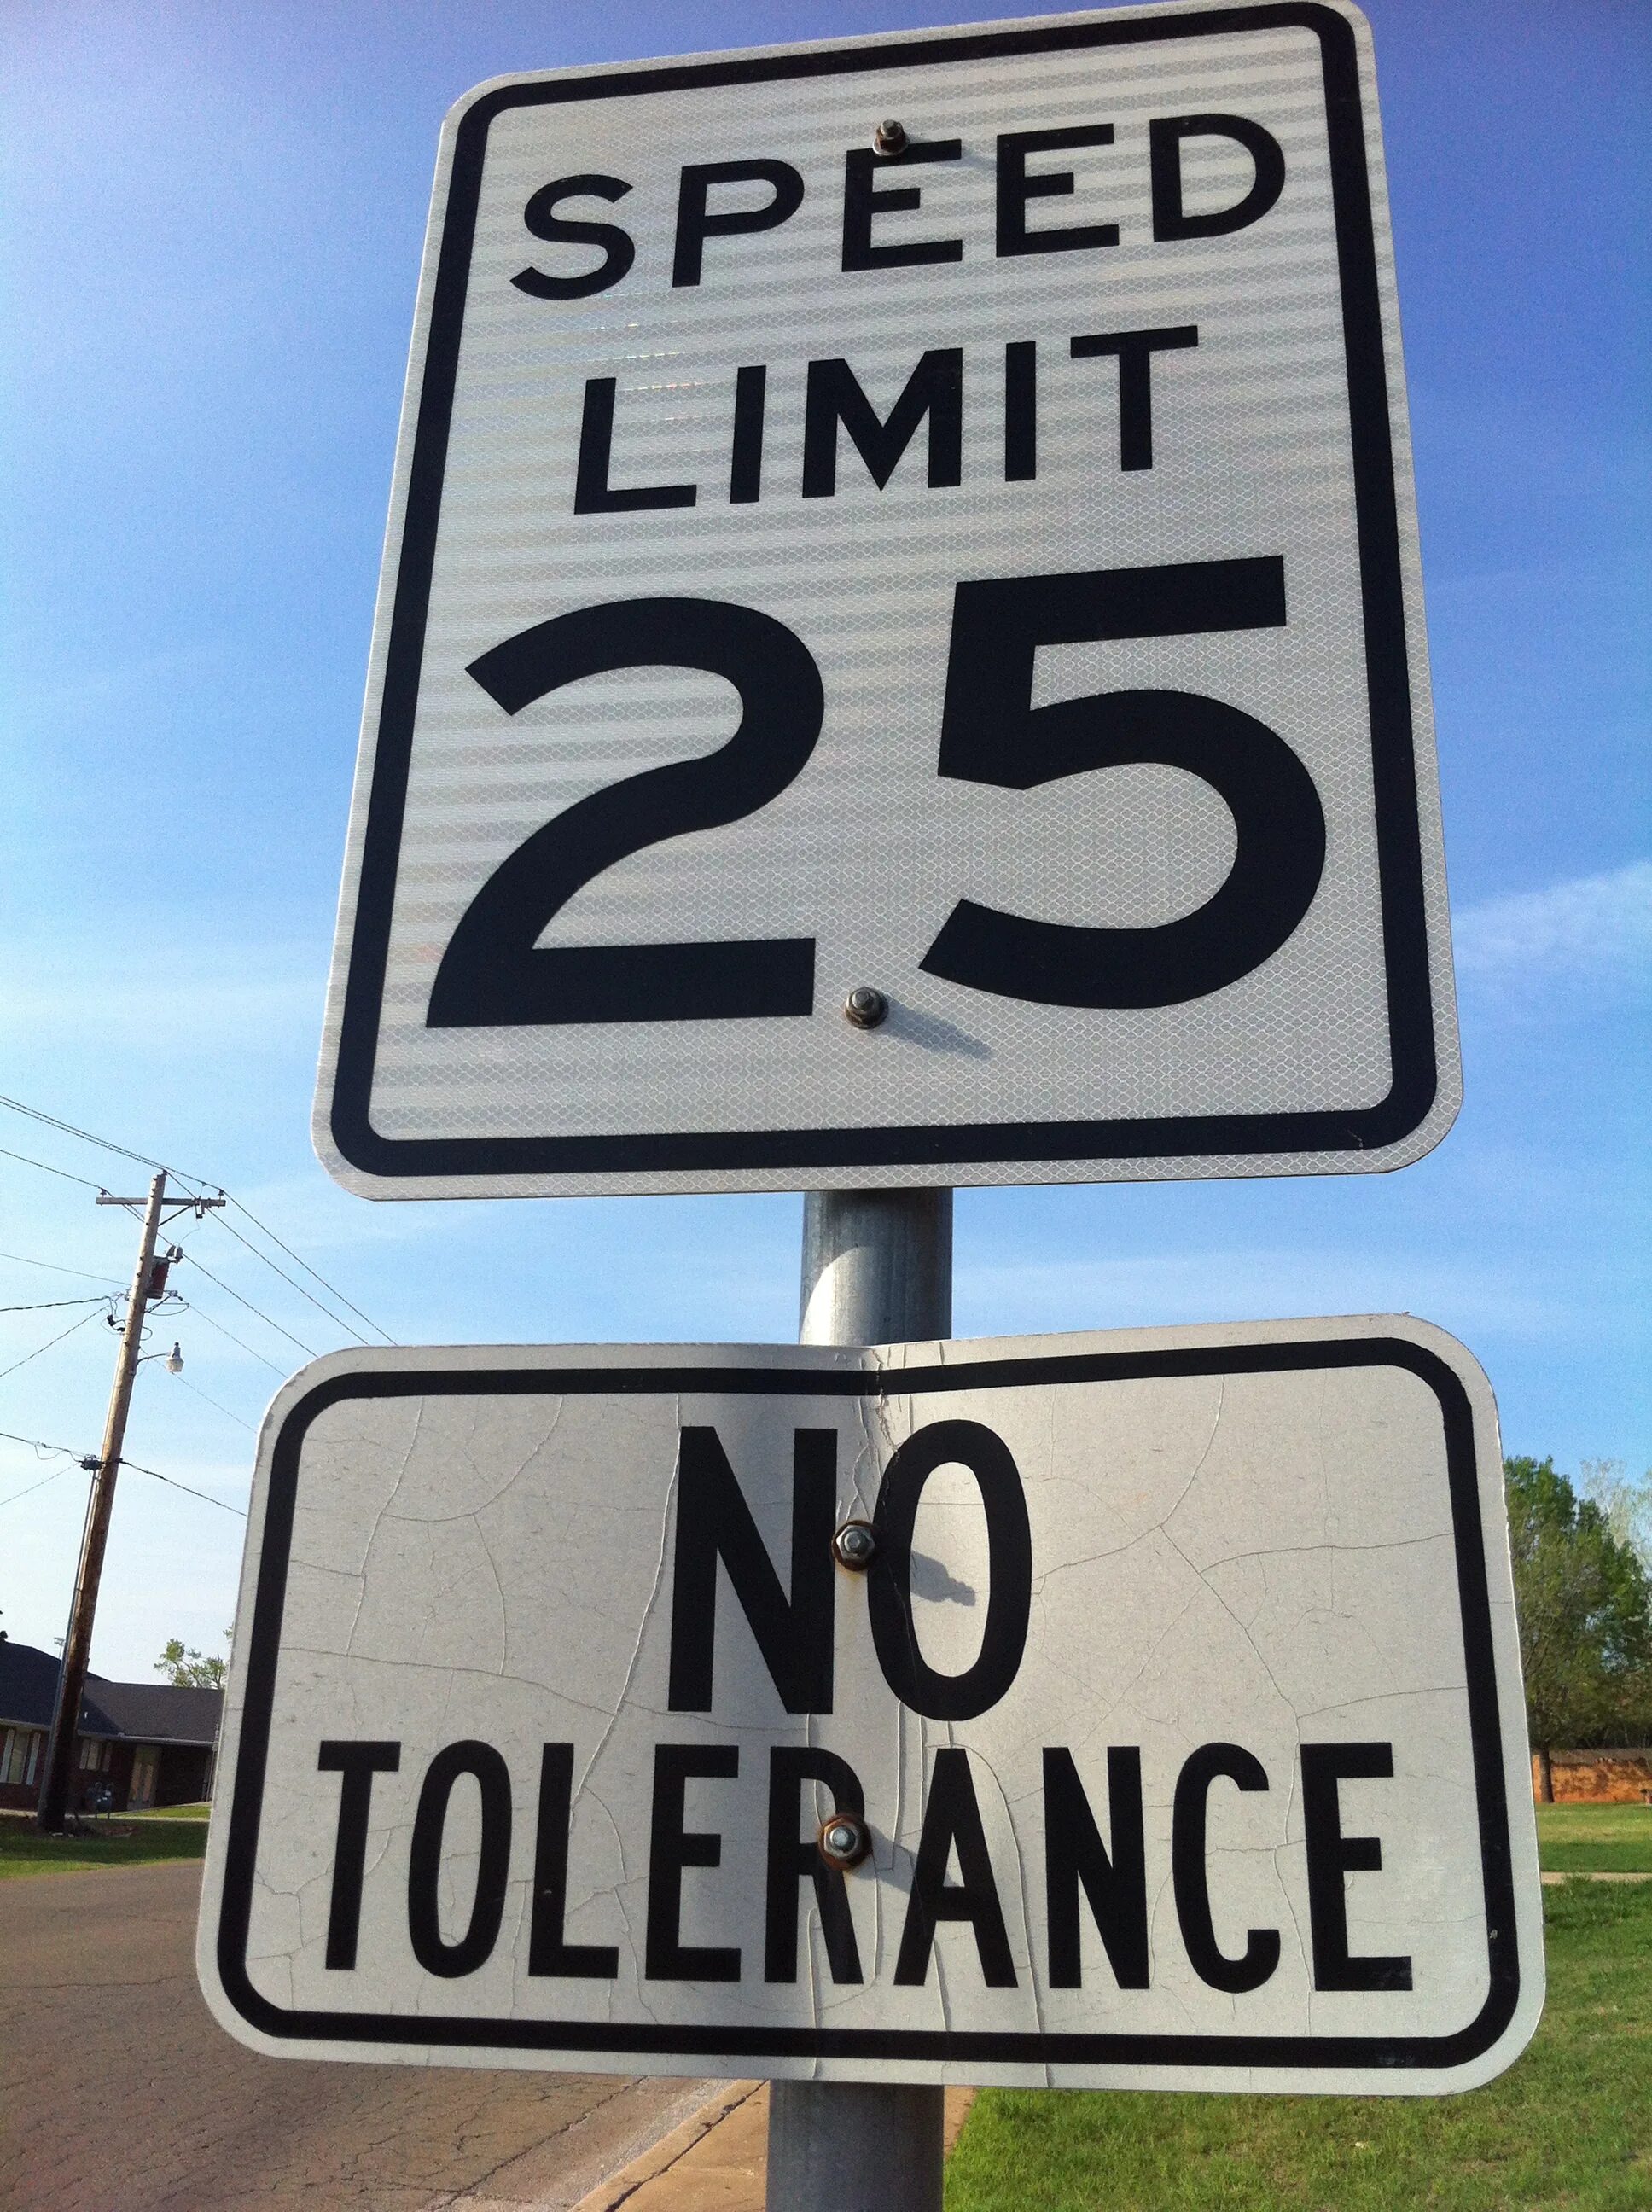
[(716, 2160), (1550, 1879), (655, 2163)]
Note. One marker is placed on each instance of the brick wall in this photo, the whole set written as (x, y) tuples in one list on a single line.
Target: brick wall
[(21, 1749), (1599, 1778), (114, 1766)]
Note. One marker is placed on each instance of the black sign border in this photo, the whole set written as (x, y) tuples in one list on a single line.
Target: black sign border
[(1437, 2052), (1413, 1062)]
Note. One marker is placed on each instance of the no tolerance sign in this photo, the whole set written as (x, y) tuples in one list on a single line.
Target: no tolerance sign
[(1172, 1735), (972, 563)]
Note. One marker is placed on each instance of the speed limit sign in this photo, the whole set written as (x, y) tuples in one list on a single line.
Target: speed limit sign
[(901, 654)]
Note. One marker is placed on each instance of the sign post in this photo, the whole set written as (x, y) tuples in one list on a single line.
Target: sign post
[(876, 1268)]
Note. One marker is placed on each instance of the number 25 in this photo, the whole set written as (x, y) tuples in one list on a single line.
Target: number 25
[(493, 971)]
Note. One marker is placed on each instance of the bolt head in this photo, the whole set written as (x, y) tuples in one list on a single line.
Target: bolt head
[(890, 137), (856, 1545), (865, 1007), (843, 1841)]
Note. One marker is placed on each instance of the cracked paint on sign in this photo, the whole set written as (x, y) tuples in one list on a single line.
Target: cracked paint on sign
[(1249, 1539)]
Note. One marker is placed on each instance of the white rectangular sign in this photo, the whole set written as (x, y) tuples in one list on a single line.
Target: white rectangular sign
[(970, 563), (1179, 1705)]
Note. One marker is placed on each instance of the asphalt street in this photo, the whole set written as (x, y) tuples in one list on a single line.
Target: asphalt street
[(119, 2093)]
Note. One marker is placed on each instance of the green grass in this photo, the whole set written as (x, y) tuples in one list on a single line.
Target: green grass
[(1569, 2125), (1595, 1839), (170, 1813), (24, 1849)]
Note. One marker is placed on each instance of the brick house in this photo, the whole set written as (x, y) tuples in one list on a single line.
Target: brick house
[(151, 1744)]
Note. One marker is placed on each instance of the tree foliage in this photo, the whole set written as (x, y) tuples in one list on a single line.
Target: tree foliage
[(1625, 1500), (188, 1670), (1585, 1608)]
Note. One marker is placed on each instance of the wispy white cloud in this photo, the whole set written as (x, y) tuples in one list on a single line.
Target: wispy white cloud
[(1593, 928)]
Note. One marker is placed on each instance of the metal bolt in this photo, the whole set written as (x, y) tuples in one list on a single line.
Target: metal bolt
[(843, 1841), (890, 137), (865, 1007), (855, 1545)]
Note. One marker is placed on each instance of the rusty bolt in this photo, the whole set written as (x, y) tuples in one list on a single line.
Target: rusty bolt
[(855, 1545), (843, 1841), (890, 137), (865, 1007)]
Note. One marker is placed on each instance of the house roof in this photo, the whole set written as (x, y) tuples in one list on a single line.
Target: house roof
[(151, 1712), (28, 1683), (135, 1712)]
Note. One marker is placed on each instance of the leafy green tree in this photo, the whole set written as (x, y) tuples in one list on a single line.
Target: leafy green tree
[(1585, 1609), (189, 1670), (1625, 1500)]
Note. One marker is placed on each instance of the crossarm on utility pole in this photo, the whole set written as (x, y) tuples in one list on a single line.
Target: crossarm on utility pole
[(77, 1643)]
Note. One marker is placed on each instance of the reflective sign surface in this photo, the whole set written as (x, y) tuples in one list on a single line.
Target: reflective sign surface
[(973, 563)]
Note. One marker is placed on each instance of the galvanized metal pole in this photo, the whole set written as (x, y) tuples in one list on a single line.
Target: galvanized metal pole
[(877, 1269)]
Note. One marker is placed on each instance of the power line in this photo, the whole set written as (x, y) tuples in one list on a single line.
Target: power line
[(54, 1305), (125, 1152), (47, 1345), (46, 1168), (334, 1318), (69, 1129), (52, 1267), (216, 1406), (307, 1268), (252, 1309), (173, 1483), (39, 1444), (32, 1487), (170, 1480), (201, 1313)]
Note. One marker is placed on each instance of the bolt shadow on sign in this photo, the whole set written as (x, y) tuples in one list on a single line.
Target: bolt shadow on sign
[(921, 524), (1132, 1710)]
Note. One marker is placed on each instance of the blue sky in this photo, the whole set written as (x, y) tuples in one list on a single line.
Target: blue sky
[(216, 214)]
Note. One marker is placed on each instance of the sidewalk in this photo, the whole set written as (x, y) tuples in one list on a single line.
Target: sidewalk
[(715, 2161)]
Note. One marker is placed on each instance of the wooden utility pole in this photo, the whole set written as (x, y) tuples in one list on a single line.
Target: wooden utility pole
[(77, 1643)]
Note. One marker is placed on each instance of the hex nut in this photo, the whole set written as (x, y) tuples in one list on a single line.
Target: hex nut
[(855, 1545), (843, 1841), (865, 1007), (890, 137)]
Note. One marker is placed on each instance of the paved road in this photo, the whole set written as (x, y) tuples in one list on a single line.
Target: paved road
[(119, 2093)]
